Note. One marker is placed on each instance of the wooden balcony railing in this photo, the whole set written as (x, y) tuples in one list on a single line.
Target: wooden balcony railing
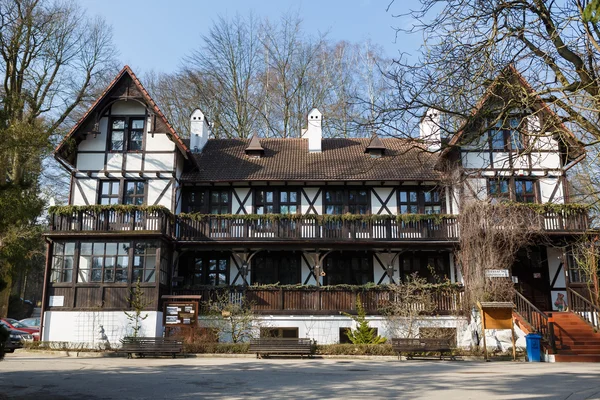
[(113, 220), (278, 228), (318, 300), (228, 228)]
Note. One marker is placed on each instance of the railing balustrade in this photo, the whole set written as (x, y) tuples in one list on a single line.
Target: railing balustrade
[(538, 320), (318, 299), (584, 308), (283, 228)]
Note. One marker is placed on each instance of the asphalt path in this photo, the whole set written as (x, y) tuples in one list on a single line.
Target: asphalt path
[(31, 375)]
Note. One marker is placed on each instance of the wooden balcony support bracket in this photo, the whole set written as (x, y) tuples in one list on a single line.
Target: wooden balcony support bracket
[(241, 261)]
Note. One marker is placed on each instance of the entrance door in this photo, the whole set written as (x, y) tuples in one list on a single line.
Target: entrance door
[(531, 269)]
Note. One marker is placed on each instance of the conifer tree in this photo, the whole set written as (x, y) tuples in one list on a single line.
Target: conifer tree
[(363, 334)]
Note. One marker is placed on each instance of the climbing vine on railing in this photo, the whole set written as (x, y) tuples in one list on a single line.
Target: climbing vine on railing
[(437, 218), (97, 208)]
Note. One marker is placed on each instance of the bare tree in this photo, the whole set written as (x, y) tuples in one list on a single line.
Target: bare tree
[(555, 45), (51, 55)]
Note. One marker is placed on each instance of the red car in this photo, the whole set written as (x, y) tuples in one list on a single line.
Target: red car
[(14, 324)]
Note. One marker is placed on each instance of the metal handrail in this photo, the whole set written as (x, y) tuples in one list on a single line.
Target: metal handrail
[(537, 319), (581, 306)]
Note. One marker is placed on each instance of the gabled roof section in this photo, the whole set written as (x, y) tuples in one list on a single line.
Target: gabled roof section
[(125, 86), (511, 73)]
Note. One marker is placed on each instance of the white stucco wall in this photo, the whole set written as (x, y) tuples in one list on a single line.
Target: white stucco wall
[(95, 328)]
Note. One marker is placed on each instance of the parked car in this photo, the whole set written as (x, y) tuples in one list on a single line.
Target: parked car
[(16, 339), (16, 325), (31, 322)]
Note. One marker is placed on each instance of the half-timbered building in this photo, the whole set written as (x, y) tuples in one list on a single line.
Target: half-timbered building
[(298, 225)]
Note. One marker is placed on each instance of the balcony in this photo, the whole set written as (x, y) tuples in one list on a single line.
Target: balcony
[(111, 219), (277, 228), (191, 228), (314, 300)]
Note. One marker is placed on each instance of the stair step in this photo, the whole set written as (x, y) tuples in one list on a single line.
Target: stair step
[(576, 358)]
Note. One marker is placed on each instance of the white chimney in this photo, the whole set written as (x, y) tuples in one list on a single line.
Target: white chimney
[(199, 131), (429, 130), (314, 133)]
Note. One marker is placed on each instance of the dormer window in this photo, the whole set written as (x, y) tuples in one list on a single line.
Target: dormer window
[(126, 133), (505, 135)]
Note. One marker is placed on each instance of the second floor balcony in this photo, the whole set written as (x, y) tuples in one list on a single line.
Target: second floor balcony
[(199, 228)]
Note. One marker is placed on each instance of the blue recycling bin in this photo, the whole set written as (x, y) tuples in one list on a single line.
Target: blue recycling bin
[(534, 350)]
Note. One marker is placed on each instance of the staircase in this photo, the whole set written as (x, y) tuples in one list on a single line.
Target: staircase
[(575, 339)]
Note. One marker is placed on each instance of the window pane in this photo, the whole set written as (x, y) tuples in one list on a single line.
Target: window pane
[(214, 197), (115, 188), (70, 248), (117, 140), (413, 197), (224, 197), (137, 124), (106, 187), (98, 248), (283, 197), (118, 124), (123, 248), (111, 248), (149, 276), (293, 197), (403, 197), (269, 197)]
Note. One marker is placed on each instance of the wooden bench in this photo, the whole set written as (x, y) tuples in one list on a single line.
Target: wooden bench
[(411, 346), (150, 345), (267, 346)]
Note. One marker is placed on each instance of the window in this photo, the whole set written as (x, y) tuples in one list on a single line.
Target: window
[(117, 134), (127, 133), (506, 136), (134, 193), (193, 200), (334, 201), (340, 201), (499, 189), (358, 201), (420, 201), (136, 135), (144, 262), (291, 333), (431, 266), (348, 270), (103, 262), (276, 268), (525, 191), (206, 269), (288, 202), (408, 202), (219, 202), (63, 262), (432, 202), (110, 192), (264, 202)]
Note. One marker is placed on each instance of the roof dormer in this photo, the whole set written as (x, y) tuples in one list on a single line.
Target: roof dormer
[(376, 148), (255, 149)]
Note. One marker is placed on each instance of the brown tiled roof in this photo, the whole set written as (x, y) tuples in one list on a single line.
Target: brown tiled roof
[(289, 160)]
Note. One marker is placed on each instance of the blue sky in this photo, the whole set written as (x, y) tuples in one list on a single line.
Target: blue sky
[(155, 35)]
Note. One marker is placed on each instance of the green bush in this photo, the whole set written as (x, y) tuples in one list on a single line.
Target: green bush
[(216, 348), (355, 350)]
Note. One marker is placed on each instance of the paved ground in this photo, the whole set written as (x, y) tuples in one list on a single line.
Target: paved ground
[(43, 376)]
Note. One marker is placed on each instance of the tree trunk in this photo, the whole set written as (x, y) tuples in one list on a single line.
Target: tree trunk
[(4, 296)]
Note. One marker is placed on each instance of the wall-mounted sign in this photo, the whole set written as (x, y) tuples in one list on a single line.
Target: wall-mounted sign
[(496, 273), (56, 301)]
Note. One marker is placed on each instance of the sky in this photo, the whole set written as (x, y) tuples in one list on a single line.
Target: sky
[(154, 35)]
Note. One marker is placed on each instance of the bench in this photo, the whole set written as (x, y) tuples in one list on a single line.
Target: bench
[(267, 346), (150, 345), (411, 346)]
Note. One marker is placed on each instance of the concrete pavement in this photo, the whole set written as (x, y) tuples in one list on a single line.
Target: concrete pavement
[(30, 375)]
